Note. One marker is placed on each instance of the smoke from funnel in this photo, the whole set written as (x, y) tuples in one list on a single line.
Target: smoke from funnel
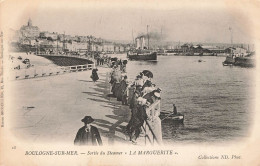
[(153, 36), (156, 40)]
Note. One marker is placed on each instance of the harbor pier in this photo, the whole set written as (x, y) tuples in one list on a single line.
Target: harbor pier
[(51, 108)]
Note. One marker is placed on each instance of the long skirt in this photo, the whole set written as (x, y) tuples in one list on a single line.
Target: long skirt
[(117, 90), (94, 77)]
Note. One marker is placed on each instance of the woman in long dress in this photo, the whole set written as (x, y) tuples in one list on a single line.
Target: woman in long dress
[(94, 75)]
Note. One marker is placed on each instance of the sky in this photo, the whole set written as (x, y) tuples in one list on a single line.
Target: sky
[(180, 24)]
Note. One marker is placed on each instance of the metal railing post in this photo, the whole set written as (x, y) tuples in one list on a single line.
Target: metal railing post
[(145, 134), (151, 110)]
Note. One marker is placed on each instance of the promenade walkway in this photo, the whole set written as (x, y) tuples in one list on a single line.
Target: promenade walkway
[(50, 109)]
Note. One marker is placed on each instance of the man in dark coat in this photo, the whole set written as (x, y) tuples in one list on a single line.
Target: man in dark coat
[(123, 86), (88, 134), (138, 116)]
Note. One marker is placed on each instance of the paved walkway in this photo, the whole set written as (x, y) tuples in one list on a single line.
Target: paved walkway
[(50, 109)]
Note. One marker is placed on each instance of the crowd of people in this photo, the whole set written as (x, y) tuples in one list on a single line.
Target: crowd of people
[(110, 62), (102, 59), (138, 95)]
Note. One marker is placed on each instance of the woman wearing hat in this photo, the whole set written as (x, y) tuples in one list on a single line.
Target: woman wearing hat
[(147, 88), (88, 134), (139, 81), (94, 75)]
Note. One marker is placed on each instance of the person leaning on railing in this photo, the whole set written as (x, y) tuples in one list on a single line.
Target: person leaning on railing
[(138, 116), (151, 98), (153, 112)]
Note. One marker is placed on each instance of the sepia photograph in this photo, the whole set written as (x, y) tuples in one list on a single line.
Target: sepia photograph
[(129, 82)]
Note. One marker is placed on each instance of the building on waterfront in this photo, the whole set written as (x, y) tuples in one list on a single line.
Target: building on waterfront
[(93, 46), (127, 47), (28, 41), (216, 50), (108, 47), (169, 47), (119, 48), (198, 49), (83, 39), (63, 37), (97, 47), (45, 45), (186, 47), (29, 31), (202, 49), (31, 37), (48, 35), (237, 51), (207, 49), (76, 46)]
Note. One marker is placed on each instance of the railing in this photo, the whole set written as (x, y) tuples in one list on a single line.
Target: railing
[(153, 134), (48, 71), (151, 126), (154, 138), (80, 67), (69, 55)]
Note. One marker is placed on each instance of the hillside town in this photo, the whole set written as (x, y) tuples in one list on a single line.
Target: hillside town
[(29, 38)]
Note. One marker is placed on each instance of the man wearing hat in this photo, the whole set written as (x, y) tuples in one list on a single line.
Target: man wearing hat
[(174, 109), (138, 116), (88, 134)]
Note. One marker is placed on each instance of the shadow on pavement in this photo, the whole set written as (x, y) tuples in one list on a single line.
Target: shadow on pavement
[(121, 113)]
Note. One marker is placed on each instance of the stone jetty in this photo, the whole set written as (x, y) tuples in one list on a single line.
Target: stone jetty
[(50, 109)]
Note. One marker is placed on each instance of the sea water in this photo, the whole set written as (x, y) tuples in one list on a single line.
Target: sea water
[(217, 101)]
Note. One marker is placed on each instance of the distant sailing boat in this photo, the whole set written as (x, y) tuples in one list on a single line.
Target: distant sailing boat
[(142, 52)]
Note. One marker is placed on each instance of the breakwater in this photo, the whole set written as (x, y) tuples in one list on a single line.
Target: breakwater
[(67, 61), (42, 66)]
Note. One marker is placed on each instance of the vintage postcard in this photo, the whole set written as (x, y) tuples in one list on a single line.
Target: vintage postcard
[(93, 82)]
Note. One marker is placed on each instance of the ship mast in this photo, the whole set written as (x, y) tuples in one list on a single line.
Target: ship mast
[(231, 39), (133, 37), (64, 41), (161, 38), (148, 36), (57, 45)]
